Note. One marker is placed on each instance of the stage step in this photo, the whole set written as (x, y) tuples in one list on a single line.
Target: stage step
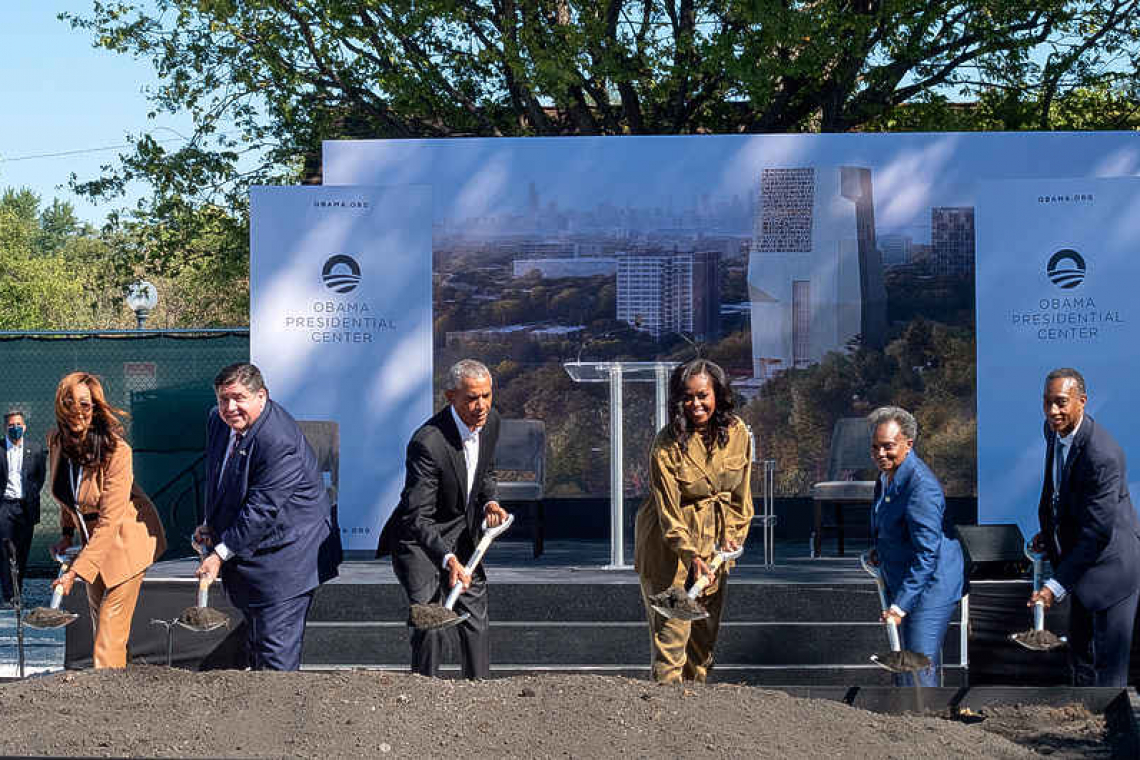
[(538, 643), (773, 633)]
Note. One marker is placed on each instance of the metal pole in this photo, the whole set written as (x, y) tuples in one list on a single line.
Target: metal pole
[(617, 476), (662, 397)]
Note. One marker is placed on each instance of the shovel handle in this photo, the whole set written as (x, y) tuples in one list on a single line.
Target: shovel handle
[(489, 535), (204, 592), (700, 584), (1039, 616), (452, 597), (57, 593), (893, 635)]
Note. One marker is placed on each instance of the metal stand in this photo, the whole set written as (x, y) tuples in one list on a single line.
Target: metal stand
[(766, 516), (169, 637), (17, 602), (615, 373)]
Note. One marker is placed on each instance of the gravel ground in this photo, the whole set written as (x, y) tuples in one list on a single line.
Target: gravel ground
[(150, 711)]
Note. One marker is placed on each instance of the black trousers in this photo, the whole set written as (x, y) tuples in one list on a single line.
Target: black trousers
[(426, 584), (14, 526), (1100, 642)]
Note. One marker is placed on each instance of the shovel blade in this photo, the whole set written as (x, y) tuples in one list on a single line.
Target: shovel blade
[(1037, 641), (46, 618), (202, 619), (676, 613), (433, 617), (901, 662), (442, 624)]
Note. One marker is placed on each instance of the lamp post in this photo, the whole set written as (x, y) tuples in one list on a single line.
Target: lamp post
[(141, 298)]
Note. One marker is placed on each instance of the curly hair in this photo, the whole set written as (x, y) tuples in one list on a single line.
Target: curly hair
[(99, 441), (722, 417)]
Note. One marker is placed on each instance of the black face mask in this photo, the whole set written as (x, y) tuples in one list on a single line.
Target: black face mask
[(15, 433)]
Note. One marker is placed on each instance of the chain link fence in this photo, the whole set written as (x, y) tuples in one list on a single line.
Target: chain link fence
[(164, 380)]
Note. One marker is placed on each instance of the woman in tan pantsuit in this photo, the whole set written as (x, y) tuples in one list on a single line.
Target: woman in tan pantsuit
[(101, 507), (700, 499)]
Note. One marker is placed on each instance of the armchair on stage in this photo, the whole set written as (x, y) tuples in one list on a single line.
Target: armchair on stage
[(324, 437), (520, 466), (848, 459)]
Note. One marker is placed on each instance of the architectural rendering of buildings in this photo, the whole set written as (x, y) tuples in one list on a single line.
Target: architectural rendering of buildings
[(665, 293), (952, 239), (815, 275)]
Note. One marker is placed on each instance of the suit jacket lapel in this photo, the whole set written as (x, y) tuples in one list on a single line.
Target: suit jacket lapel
[(1079, 441), (455, 451), (4, 469)]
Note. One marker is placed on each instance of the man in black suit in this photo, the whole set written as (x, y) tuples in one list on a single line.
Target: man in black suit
[(1091, 533), (267, 517), (449, 490), (22, 472)]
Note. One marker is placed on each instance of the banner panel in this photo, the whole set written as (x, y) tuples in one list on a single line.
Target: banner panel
[(1056, 283), (828, 275), (340, 325)]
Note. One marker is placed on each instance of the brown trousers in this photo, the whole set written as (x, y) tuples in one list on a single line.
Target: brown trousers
[(111, 612), (683, 649)]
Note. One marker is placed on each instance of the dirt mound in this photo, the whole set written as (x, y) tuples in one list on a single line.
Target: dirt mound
[(161, 712)]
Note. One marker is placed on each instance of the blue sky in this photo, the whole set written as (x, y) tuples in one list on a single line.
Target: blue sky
[(63, 96)]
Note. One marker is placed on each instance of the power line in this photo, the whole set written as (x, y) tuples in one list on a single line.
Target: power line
[(83, 151)]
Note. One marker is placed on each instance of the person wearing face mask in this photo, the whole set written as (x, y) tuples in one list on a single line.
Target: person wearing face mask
[(104, 509), (700, 501), (22, 472)]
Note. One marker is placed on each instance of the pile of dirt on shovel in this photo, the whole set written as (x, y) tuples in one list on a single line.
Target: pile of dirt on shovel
[(674, 598), (429, 615), (1039, 640), (151, 711), (204, 618)]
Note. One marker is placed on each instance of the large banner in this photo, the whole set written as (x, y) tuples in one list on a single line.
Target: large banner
[(1058, 268), (828, 274), (340, 325)]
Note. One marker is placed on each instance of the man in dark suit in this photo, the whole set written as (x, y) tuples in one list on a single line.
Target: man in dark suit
[(22, 473), (920, 560), (1091, 533), (449, 490), (267, 516)]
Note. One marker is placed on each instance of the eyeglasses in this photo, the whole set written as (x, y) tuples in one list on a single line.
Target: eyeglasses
[(72, 405)]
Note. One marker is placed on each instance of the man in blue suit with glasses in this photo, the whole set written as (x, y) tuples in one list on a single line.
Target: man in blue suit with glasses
[(267, 517)]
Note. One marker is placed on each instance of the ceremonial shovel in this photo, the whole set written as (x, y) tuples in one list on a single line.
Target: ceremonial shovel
[(897, 660), (1037, 638), (53, 616), (201, 618), (433, 617), (677, 603)]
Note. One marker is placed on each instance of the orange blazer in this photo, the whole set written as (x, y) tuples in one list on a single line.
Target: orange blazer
[(126, 533)]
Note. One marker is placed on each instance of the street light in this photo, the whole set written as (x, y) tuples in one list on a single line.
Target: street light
[(141, 298)]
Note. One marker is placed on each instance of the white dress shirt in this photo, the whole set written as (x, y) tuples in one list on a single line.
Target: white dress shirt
[(470, 439), (14, 488), (1066, 445)]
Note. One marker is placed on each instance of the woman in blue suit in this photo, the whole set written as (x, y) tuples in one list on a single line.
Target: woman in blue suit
[(921, 563)]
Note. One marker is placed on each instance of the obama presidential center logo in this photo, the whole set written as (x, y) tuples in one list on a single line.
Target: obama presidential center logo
[(341, 273), (1066, 269)]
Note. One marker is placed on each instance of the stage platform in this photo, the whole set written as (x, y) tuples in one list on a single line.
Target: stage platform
[(802, 622)]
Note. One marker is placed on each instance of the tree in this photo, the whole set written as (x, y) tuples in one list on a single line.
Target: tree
[(266, 81)]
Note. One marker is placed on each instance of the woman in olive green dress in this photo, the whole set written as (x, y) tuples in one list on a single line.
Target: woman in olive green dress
[(700, 500)]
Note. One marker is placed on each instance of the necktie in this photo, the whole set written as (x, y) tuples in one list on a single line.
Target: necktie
[(1058, 467), (229, 462)]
